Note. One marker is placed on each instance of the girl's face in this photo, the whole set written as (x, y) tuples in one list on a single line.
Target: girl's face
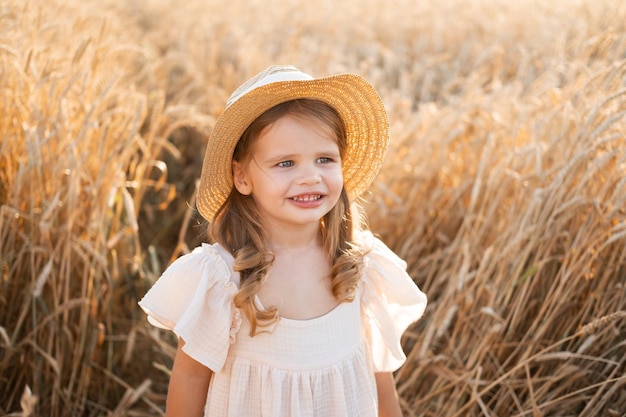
[(294, 174)]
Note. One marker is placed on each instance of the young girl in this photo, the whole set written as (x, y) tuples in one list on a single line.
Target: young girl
[(295, 310)]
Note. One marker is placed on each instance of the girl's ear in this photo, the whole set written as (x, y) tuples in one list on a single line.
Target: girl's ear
[(241, 179)]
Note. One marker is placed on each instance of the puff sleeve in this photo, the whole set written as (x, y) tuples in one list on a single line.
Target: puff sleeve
[(390, 302), (194, 298)]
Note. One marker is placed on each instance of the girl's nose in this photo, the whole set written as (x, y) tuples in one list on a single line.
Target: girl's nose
[(309, 175)]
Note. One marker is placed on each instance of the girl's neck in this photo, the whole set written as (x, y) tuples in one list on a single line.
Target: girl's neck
[(287, 240)]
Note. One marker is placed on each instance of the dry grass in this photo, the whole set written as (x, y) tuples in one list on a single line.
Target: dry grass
[(505, 188)]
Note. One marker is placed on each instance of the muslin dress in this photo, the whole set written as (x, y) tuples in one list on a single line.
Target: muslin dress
[(318, 367)]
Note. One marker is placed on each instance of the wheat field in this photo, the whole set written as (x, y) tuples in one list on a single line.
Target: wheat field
[(504, 188)]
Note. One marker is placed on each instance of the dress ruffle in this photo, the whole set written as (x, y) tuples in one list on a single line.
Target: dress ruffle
[(390, 302), (194, 298)]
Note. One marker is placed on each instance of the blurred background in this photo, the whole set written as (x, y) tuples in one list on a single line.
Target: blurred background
[(504, 188)]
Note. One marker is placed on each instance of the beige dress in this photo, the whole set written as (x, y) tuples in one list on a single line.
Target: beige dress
[(309, 368)]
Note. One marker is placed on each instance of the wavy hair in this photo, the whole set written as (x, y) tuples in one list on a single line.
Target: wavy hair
[(237, 226)]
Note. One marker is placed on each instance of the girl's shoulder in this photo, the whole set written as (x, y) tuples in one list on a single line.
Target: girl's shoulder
[(206, 272), (205, 258), (377, 255)]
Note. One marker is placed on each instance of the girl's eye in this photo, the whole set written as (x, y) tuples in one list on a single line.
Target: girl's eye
[(285, 164), (324, 160)]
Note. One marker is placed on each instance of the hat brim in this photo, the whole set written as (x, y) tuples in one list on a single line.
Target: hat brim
[(357, 103)]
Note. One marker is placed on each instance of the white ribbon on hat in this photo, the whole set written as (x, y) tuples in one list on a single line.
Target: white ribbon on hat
[(275, 74)]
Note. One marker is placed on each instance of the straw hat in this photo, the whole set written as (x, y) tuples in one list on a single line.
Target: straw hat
[(356, 101)]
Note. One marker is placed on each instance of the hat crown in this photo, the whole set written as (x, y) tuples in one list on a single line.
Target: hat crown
[(273, 74)]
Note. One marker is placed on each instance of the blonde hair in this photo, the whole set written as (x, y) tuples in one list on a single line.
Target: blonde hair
[(237, 227)]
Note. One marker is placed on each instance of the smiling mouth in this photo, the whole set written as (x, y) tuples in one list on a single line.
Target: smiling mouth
[(307, 198)]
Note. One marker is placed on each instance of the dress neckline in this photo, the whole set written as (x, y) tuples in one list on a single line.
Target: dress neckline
[(322, 316)]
